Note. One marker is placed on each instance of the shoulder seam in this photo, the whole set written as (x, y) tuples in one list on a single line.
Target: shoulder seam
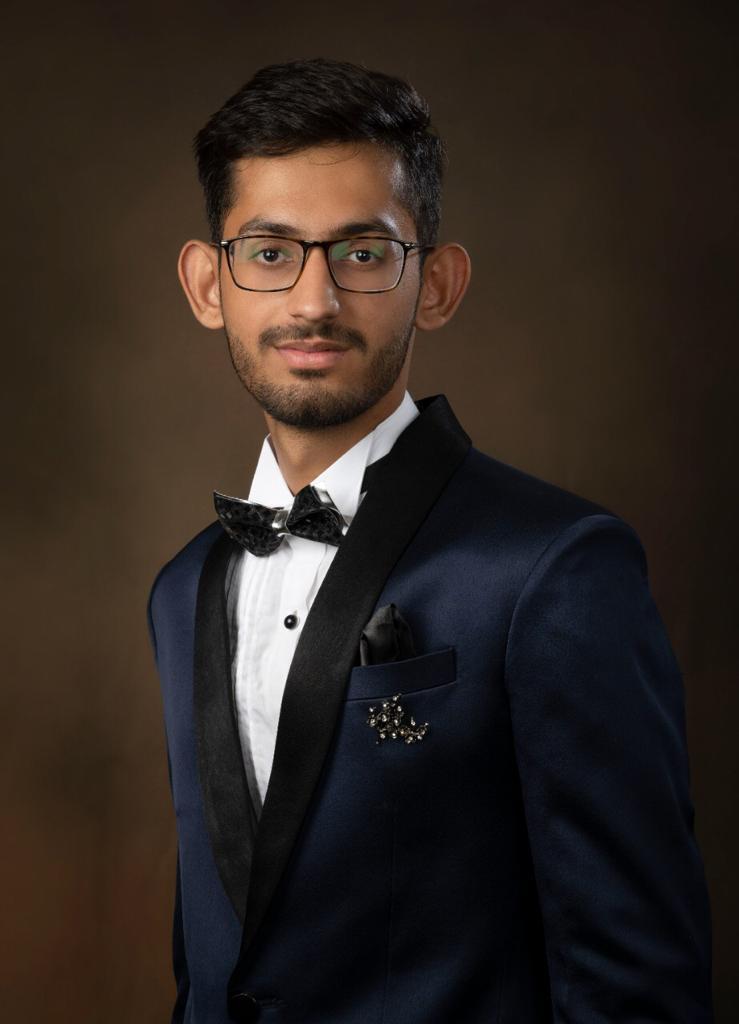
[(609, 517)]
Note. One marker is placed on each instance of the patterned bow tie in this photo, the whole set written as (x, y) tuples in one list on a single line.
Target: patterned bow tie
[(260, 529)]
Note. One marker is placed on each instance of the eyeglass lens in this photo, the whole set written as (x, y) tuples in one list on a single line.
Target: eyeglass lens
[(359, 264)]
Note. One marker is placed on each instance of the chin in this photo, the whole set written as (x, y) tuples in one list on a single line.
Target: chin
[(316, 408)]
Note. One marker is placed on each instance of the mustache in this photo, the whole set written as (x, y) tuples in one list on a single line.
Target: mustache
[(328, 330)]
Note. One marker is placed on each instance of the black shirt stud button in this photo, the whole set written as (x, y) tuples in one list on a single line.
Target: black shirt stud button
[(291, 621)]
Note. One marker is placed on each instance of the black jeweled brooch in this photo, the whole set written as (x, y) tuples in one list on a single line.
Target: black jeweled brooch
[(389, 721)]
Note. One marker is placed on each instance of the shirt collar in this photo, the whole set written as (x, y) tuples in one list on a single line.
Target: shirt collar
[(343, 478)]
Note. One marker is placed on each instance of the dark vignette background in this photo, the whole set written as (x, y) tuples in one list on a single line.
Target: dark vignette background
[(593, 178)]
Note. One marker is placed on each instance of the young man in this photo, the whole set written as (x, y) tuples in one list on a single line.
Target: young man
[(425, 729)]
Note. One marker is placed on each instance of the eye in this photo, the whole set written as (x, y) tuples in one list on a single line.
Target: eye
[(364, 255), (267, 254), (360, 251)]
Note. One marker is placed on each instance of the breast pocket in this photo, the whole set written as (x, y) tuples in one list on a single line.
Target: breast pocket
[(424, 672)]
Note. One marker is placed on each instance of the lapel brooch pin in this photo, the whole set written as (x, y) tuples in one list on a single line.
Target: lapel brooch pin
[(389, 722)]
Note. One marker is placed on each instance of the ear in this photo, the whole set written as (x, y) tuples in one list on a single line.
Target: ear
[(197, 269), (446, 274)]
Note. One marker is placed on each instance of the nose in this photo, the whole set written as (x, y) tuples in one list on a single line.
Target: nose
[(314, 295)]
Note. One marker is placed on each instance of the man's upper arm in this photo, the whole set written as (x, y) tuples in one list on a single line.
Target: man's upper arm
[(179, 959), (150, 611), (597, 710)]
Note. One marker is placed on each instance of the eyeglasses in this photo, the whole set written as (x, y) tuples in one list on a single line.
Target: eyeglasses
[(262, 263)]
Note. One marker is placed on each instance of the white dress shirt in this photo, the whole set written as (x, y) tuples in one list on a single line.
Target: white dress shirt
[(270, 589)]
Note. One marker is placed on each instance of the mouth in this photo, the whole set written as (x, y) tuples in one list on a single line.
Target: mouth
[(313, 345), (311, 353)]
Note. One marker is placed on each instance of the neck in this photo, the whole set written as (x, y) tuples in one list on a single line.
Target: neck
[(303, 454)]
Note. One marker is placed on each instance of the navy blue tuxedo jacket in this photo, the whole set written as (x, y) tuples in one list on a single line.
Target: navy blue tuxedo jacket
[(531, 860)]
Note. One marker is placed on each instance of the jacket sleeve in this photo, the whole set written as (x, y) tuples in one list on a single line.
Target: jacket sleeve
[(597, 710), (179, 959)]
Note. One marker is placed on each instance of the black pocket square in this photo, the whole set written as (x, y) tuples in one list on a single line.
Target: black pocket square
[(386, 637)]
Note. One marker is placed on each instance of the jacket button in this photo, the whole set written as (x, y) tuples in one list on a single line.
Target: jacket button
[(243, 1007)]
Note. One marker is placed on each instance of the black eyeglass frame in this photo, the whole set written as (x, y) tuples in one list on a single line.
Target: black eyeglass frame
[(225, 245)]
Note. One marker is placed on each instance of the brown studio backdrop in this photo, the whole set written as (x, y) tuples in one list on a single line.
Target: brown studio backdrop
[(593, 177)]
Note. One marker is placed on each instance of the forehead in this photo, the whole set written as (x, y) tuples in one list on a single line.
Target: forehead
[(319, 189)]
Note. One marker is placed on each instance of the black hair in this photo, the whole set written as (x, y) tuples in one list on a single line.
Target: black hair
[(288, 107)]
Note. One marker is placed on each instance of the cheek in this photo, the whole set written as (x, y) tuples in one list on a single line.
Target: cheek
[(246, 315), (388, 313), (409, 288), (403, 310)]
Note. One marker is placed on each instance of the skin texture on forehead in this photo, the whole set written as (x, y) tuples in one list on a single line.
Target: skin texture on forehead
[(330, 185)]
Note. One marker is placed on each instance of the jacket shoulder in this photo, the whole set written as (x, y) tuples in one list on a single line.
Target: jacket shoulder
[(526, 494), (182, 571), (527, 511), (513, 516), (192, 555)]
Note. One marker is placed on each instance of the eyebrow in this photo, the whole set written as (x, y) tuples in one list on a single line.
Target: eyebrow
[(354, 227)]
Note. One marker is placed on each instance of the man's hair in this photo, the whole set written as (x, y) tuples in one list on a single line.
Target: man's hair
[(288, 107)]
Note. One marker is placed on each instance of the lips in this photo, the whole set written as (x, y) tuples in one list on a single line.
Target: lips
[(311, 353), (312, 345)]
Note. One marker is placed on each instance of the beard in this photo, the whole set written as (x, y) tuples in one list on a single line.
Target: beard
[(318, 406)]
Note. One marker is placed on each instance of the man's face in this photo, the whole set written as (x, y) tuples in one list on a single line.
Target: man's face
[(353, 348)]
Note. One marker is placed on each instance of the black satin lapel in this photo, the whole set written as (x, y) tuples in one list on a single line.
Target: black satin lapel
[(404, 486), (229, 813)]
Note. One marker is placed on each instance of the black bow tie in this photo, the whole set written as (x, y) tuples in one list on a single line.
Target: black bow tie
[(260, 529), (313, 514)]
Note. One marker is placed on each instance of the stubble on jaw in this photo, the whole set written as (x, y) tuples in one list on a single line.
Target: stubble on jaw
[(307, 404)]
